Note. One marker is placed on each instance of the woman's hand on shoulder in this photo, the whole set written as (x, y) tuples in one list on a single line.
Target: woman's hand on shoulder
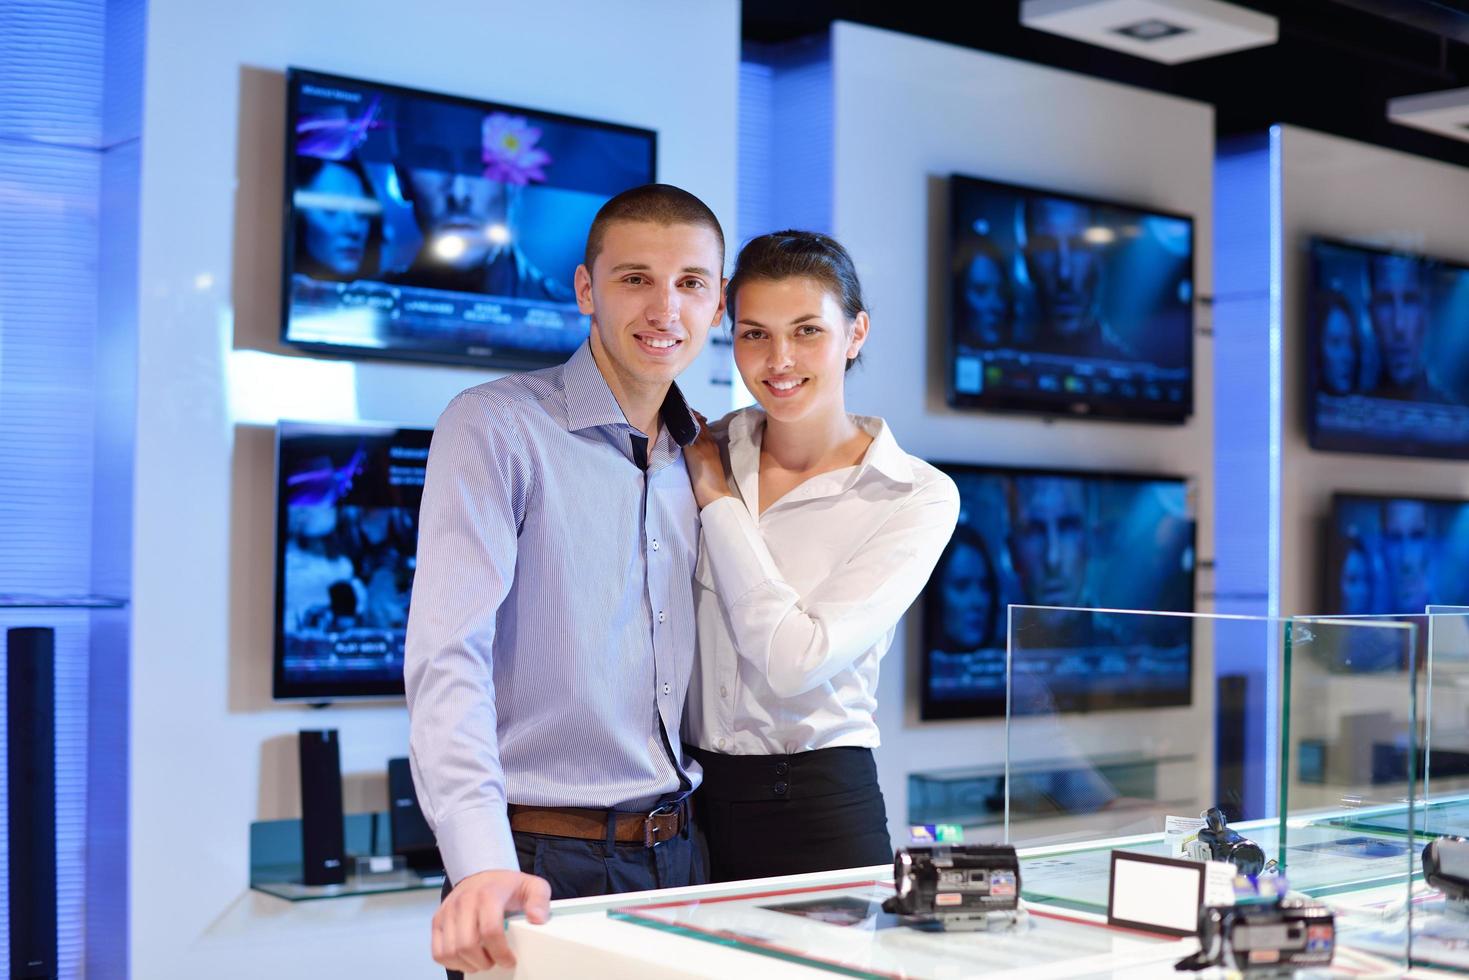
[(706, 468)]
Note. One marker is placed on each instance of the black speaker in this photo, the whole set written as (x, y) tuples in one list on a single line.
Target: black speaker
[(323, 853), (31, 720), (412, 837)]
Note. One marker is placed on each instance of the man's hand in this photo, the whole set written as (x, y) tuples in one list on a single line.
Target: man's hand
[(706, 469), (469, 927)]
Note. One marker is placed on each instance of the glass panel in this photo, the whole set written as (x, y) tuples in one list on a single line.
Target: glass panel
[(1118, 721), (1349, 771), (1437, 912), (1313, 718)]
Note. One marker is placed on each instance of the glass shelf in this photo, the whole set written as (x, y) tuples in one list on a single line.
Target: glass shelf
[(275, 861)]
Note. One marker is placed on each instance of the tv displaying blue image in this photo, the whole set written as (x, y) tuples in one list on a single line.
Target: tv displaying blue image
[(1068, 305), (346, 548), (1396, 555), (432, 227), (1388, 352), (1058, 538)]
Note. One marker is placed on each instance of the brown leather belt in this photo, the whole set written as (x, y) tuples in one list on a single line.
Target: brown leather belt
[(648, 829)]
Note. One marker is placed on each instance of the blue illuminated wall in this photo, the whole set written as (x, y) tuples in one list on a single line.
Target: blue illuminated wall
[(69, 93), (1247, 393)]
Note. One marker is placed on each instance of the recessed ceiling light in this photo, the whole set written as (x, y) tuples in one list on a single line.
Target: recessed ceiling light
[(1152, 29)]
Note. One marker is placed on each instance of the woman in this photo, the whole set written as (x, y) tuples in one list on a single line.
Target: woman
[(1340, 350), (818, 533), (338, 236)]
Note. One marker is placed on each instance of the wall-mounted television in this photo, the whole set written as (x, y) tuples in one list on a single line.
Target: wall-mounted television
[(347, 500), (1061, 538), (1068, 305), (1388, 352), (431, 227), (1396, 555)]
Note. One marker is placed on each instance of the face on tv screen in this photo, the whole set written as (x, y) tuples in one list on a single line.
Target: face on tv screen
[(1060, 539), (347, 543), (1064, 305), (1389, 353), (1396, 555), (430, 227)]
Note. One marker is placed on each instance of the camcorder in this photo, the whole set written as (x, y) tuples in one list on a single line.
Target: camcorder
[(1446, 868), (1217, 842), (1271, 939), (955, 886)]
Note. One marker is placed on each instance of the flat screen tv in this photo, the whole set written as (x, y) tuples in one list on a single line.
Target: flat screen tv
[(1067, 305), (1388, 352), (346, 546), (1395, 556), (431, 227), (1058, 538)]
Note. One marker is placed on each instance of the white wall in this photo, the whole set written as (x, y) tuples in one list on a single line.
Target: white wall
[(209, 752), (1347, 190), (908, 112)]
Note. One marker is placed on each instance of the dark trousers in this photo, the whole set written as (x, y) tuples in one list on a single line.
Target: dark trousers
[(583, 868), (766, 815)]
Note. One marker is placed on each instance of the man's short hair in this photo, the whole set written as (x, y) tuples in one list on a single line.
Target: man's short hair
[(661, 204)]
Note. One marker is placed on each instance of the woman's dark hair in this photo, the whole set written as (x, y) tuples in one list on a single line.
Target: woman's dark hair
[(964, 537), (799, 255)]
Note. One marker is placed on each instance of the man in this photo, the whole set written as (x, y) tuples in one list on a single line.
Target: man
[(1399, 312), (1048, 539), (458, 178), (551, 633), (1407, 554), (1064, 263)]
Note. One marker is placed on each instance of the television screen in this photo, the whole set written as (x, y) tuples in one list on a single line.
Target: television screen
[(1066, 305), (346, 545), (1388, 370), (1053, 538), (438, 228), (1395, 556)]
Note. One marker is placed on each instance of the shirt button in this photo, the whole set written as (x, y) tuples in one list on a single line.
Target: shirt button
[(780, 789), (666, 689), (720, 743), (655, 544), (782, 769), (723, 691), (661, 617)]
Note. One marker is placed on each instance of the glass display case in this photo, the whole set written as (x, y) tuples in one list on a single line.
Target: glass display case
[(1331, 743)]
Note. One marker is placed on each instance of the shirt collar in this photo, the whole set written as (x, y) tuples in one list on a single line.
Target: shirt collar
[(884, 456), (589, 402)]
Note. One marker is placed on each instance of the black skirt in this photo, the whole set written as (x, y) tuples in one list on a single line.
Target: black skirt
[(767, 815)]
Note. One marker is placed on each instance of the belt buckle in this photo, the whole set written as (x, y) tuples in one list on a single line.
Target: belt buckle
[(649, 825)]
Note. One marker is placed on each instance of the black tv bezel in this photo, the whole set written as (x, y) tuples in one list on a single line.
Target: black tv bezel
[(1315, 437), (1060, 406), (1330, 551), (512, 360), (984, 709), (282, 688)]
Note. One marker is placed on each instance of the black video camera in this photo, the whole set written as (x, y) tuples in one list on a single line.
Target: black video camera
[(956, 886), (1218, 842), (1264, 939)]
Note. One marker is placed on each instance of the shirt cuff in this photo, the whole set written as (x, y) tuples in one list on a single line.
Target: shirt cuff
[(738, 554), (476, 840)]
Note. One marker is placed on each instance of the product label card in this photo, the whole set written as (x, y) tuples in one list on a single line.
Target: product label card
[(1178, 832)]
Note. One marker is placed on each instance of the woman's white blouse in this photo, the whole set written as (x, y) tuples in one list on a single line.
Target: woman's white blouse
[(796, 606)]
